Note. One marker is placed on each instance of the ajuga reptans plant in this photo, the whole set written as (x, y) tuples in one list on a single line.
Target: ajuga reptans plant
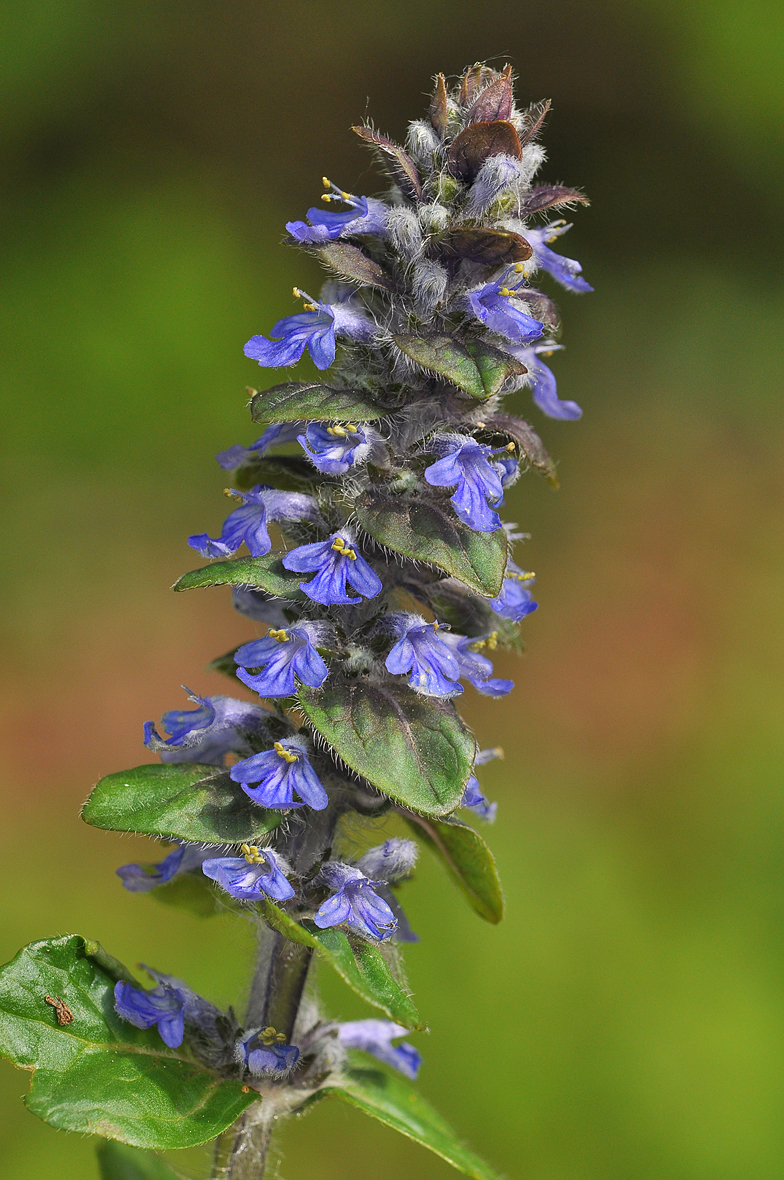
[(379, 565)]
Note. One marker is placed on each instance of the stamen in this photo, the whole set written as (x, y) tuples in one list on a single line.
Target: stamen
[(232, 495), (507, 294), (281, 636), (285, 754), (311, 304), (340, 546), (492, 641), (510, 446), (336, 431), (252, 854), (523, 576)]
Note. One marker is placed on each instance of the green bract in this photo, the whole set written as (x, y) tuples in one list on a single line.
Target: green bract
[(178, 800), (414, 749), (359, 963), (424, 530)]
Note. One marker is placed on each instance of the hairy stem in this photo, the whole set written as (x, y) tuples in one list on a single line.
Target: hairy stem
[(275, 996)]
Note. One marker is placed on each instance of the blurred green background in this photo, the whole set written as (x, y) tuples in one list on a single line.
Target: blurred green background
[(627, 1021)]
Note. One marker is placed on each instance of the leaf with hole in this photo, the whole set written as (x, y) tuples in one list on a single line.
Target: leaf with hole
[(360, 964), (178, 800), (467, 858), (429, 531), (309, 401), (394, 1101), (100, 1075), (415, 749)]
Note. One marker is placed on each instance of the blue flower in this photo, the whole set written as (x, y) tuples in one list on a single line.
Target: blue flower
[(477, 669), (280, 772), (139, 878), (421, 650), (314, 329), (542, 382), (274, 436), (164, 1006), (283, 656), (465, 462), (337, 565), (473, 798), (249, 523), (216, 727), (199, 1013), (492, 304), (333, 449), (376, 1037), (365, 215), (263, 1051), (254, 875), (354, 902), (515, 600), (566, 271)]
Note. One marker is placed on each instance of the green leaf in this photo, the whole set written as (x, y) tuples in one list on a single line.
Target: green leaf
[(99, 1075), (291, 473), (415, 749), (178, 800), (117, 1161), (360, 964), (311, 402), (428, 531), (446, 357), (473, 365), (394, 1101), (267, 573), (468, 859), (494, 365)]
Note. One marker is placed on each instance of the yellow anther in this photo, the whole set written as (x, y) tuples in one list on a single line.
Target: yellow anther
[(519, 267), (351, 428), (280, 1038), (297, 292), (309, 307), (492, 641), (480, 425), (281, 636), (350, 554), (232, 495), (285, 754), (327, 183), (523, 576), (510, 446), (338, 544), (252, 855), (345, 196), (507, 294), (336, 431), (548, 353)]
